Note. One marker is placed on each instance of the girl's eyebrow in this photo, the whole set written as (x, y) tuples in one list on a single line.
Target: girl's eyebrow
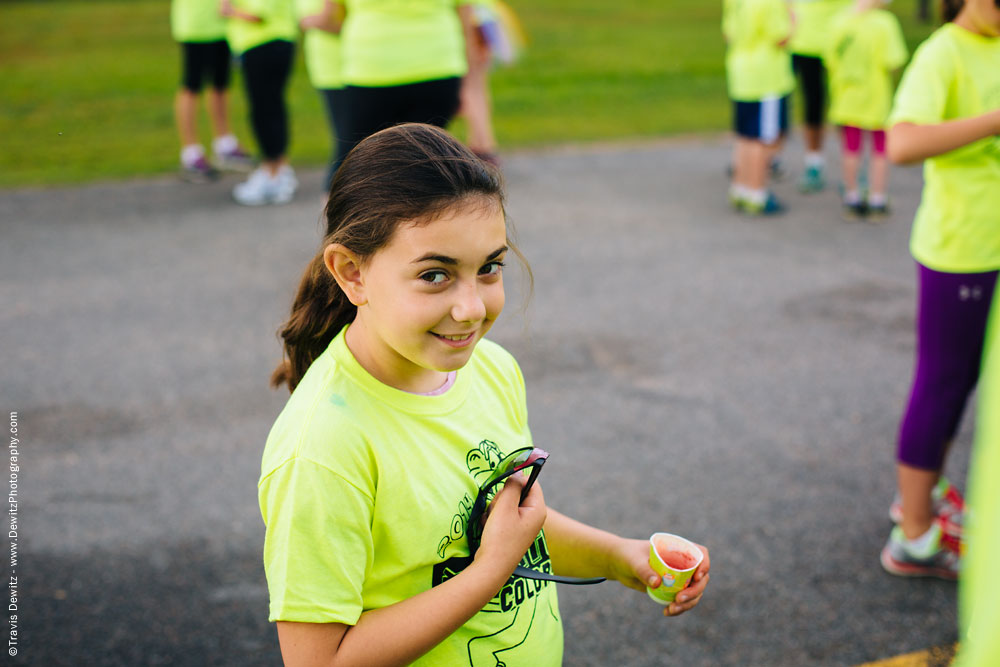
[(451, 261)]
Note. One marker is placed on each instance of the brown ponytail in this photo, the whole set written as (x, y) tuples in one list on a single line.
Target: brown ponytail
[(950, 9), (409, 172)]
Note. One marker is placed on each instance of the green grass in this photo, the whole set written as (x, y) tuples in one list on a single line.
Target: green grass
[(87, 85)]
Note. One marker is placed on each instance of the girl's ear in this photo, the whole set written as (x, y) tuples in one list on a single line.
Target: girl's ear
[(345, 267)]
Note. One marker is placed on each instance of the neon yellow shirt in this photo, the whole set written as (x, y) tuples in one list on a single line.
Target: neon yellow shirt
[(757, 67), (955, 74), (395, 42), (365, 491), (278, 24), (320, 49), (979, 585), (812, 25), (196, 21), (865, 47)]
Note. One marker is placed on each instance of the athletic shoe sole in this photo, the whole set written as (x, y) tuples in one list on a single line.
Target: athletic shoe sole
[(901, 569)]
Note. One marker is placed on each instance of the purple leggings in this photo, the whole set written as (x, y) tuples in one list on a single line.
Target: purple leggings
[(951, 322)]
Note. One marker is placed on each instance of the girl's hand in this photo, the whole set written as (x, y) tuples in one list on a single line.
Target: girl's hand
[(511, 528), (630, 566)]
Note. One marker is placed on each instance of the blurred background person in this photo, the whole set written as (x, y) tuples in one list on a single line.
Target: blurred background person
[(320, 22), (402, 62), (200, 30), (866, 46), (947, 115), (807, 45), (263, 33), (759, 78)]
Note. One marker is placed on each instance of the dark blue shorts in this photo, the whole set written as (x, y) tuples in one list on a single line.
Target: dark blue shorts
[(205, 60), (765, 120)]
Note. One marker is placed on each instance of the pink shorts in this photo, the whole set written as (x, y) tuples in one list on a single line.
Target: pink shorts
[(853, 137)]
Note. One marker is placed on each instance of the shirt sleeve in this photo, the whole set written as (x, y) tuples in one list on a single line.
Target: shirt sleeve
[(923, 91), (318, 543), (896, 52)]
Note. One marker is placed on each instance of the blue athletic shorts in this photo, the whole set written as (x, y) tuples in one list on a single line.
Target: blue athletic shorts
[(766, 120)]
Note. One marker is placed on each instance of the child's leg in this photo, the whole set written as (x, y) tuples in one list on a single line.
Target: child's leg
[(951, 323), (757, 162), (879, 169), (186, 113), (475, 100), (851, 162)]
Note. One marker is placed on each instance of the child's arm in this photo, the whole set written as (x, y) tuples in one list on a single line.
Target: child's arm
[(909, 143), (331, 19), (227, 10), (579, 550), (402, 632)]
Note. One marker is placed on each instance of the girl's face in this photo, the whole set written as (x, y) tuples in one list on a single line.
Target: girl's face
[(429, 296)]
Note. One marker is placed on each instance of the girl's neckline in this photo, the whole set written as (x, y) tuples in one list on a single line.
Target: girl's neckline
[(448, 382)]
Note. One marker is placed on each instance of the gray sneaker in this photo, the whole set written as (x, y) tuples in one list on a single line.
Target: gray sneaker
[(261, 189), (235, 160), (942, 562), (199, 171)]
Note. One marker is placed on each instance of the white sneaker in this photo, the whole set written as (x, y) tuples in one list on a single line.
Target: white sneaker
[(262, 188)]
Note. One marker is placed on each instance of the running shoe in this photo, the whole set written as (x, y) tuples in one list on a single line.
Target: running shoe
[(942, 559), (771, 206), (235, 160), (199, 171), (854, 211), (262, 188), (878, 212), (812, 180), (947, 504)]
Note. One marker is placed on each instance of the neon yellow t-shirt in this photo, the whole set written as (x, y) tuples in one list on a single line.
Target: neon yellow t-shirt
[(812, 25), (320, 49), (278, 24), (196, 21), (396, 42), (955, 74), (366, 490), (865, 47), (756, 66), (979, 585)]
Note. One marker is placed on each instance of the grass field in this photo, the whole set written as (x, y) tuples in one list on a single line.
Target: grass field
[(87, 85)]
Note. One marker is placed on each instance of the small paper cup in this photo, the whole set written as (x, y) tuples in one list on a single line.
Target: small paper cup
[(667, 553)]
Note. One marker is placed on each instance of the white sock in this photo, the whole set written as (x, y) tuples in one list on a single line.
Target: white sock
[(737, 191), (852, 197), (191, 153), (877, 199), (926, 544), (225, 144), (758, 197), (814, 159)]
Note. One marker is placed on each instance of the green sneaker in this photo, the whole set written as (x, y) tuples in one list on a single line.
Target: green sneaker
[(941, 561), (812, 180), (771, 206)]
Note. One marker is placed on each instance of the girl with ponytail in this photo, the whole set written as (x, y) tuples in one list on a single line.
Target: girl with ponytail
[(402, 419), (947, 116)]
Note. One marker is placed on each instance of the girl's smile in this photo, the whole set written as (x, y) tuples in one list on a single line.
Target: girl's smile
[(427, 297)]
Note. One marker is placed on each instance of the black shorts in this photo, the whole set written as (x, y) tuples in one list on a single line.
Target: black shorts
[(201, 60), (812, 77)]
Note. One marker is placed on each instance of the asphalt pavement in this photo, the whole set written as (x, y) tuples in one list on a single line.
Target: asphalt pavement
[(734, 380)]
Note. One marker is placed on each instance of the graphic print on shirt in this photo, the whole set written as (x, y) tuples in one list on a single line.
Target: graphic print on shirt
[(518, 599)]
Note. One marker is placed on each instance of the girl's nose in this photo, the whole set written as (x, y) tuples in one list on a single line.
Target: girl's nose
[(469, 305)]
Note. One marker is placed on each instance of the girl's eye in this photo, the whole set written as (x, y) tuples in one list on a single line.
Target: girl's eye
[(492, 269), (433, 277)]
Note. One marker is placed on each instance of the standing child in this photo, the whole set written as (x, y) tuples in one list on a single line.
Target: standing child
[(808, 45), (866, 45), (263, 33), (759, 76), (320, 21), (201, 32), (399, 413), (946, 114)]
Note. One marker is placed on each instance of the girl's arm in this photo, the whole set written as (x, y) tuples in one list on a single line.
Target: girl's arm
[(331, 19), (227, 9), (579, 550), (909, 143), (466, 17), (402, 632)]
